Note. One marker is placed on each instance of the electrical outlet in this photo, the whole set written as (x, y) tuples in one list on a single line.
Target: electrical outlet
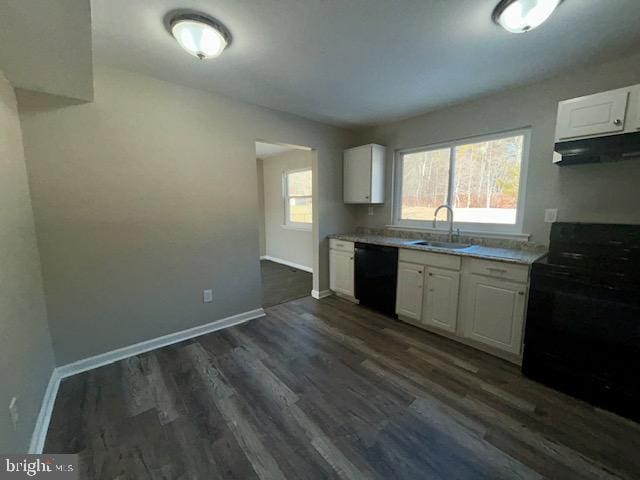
[(551, 215), (13, 410), (207, 296)]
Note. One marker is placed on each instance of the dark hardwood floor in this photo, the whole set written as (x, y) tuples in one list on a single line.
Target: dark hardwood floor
[(281, 283), (328, 389)]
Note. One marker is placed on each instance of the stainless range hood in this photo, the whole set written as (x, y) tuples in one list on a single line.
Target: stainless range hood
[(598, 149)]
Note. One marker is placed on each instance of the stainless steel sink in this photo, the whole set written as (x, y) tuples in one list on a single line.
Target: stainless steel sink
[(446, 245)]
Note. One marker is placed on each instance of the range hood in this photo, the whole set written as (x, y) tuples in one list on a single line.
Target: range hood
[(598, 149)]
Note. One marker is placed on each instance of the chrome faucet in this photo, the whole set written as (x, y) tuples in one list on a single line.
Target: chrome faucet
[(435, 216)]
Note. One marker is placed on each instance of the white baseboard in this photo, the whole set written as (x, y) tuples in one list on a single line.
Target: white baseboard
[(59, 373), (318, 294), (287, 263)]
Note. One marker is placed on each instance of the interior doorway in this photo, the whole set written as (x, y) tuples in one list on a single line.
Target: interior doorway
[(285, 202)]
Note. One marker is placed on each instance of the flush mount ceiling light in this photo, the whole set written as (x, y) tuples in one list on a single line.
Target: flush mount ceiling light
[(200, 35), (520, 16)]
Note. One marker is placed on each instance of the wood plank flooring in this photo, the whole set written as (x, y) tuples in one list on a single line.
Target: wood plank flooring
[(328, 389), (281, 283)]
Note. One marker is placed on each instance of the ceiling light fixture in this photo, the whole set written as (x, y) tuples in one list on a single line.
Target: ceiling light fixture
[(520, 16), (200, 35)]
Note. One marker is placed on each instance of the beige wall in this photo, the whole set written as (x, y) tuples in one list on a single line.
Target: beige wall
[(147, 196), (587, 193), (46, 46), (26, 356), (280, 241)]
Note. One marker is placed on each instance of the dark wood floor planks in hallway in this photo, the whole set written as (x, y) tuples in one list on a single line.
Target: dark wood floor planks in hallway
[(328, 389), (281, 283)]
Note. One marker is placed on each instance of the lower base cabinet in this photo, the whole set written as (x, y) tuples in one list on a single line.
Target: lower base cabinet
[(492, 311), (409, 294), (475, 300), (341, 272), (440, 307), (428, 295)]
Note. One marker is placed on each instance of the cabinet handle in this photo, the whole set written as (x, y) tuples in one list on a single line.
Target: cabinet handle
[(350, 258), (431, 289), (494, 269), (520, 293), (617, 122), (431, 274)]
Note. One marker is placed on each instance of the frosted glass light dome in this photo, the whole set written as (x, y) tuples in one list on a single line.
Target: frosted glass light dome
[(520, 16), (200, 36)]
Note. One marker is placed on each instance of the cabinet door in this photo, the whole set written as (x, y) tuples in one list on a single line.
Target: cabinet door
[(592, 115), (409, 294), (440, 307), (493, 311), (341, 272), (357, 175)]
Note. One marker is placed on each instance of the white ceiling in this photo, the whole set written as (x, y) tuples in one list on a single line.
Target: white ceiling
[(352, 62), (265, 150)]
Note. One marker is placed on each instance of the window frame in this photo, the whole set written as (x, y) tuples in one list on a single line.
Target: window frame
[(465, 227), (285, 196)]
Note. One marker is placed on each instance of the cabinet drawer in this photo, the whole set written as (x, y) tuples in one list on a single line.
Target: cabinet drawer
[(517, 273), (341, 245), (441, 260)]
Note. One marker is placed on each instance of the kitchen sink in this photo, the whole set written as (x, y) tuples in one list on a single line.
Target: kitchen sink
[(447, 245)]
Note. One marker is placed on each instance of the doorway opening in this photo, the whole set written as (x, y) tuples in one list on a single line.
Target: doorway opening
[(285, 217)]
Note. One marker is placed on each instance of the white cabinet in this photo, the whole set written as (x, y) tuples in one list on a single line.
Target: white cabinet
[(492, 311), (440, 304), (364, 174), (341, 269), (410, 288), (428, 287), (593, 115)]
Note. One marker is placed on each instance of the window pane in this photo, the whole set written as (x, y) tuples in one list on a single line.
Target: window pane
[(487, 179), (299, 183), (425, 183), (300, 210)]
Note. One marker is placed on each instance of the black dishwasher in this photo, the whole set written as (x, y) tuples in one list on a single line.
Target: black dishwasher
[(376, 277)]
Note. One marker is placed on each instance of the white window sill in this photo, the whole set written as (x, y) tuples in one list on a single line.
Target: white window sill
[(301, 228), (470, 233)]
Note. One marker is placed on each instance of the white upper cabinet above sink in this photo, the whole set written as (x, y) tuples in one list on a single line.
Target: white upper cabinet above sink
[(364, 174)]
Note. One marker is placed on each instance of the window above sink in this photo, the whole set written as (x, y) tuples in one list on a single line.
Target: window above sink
[(482, 178)]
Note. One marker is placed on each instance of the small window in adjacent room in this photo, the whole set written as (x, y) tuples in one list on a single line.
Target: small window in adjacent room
[(481, 178), (297, 198)]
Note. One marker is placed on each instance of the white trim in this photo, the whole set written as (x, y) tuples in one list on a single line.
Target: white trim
[(64, 371), (285, 196), (301, 227), (287, 263), (319, 294), (484, 229), (44, 416)]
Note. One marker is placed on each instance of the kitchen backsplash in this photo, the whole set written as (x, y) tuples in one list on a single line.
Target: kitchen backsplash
[(442, 237)]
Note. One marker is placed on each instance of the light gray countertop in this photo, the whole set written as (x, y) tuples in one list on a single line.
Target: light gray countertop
[(524, 257)]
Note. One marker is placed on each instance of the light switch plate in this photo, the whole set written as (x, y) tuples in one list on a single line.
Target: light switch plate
[(207, 296), (551, 215)]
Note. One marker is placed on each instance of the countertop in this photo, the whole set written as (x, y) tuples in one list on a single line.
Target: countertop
[(523, 257)]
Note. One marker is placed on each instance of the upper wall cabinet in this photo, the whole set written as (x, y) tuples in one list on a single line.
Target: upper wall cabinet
[(606, 113), (364, 174)]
